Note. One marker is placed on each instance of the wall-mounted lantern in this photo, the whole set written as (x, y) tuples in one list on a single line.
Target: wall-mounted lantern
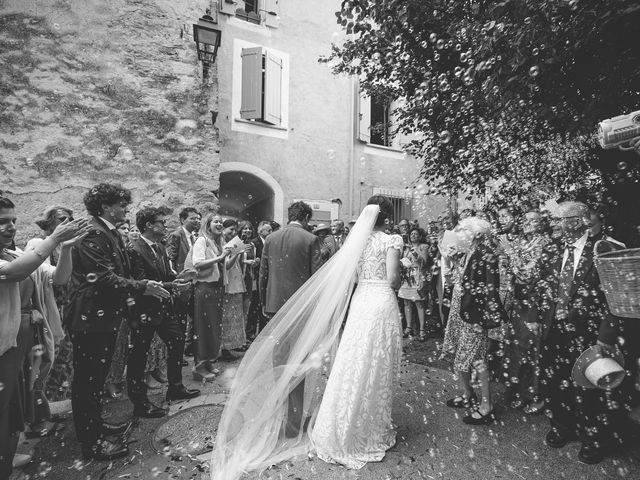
[(207, 40)]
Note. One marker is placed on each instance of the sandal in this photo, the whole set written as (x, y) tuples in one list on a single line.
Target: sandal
[(476, 418), (462, 402), (407, 333), (422, 336)]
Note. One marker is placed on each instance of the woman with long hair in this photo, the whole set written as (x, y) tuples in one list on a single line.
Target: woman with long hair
[(416, 278), (58, 384), (250, 267), (29, 320), (347, 381), (209, 260)]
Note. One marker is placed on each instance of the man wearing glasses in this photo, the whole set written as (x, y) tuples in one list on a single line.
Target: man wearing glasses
[(149, 260), (570, 309)]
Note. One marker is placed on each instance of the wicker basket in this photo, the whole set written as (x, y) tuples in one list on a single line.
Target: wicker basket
[(619, 273)]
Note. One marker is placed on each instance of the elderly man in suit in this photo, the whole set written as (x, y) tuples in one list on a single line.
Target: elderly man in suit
[(101, 293), (179, 242), (570, 309), (149, 260), (289, 257), (336, 238), (256, 321)]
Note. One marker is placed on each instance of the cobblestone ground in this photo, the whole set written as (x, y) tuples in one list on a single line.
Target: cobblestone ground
[(433, 443)]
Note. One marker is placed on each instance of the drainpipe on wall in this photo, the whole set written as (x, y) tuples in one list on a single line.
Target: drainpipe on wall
[(352, 144)]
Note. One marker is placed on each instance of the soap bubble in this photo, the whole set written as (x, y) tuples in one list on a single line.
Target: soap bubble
[(91, 277), (445, 136), (534, 71)]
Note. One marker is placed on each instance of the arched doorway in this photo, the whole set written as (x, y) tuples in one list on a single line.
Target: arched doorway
[(249, 193)]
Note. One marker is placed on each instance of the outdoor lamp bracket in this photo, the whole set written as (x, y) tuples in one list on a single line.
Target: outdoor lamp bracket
[(207, 40)]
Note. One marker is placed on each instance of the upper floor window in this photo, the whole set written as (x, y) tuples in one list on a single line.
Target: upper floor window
[(378, 123), (261, 99), (259, 12), (248, 11)]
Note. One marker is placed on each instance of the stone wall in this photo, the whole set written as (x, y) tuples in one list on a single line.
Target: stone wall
[(104, 90)]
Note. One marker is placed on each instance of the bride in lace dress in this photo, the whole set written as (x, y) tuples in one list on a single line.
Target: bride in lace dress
[(354, 424), (345, 381)]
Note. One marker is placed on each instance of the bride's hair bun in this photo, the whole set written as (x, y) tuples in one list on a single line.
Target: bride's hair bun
[(386, 208)]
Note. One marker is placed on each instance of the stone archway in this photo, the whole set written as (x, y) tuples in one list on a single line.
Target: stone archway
[(249, 193)]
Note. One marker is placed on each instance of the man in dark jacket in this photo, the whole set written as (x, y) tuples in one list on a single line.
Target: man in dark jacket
[(289, 257), (256, 321), (571, 311), (179, 242), (149, 260), (101, 291)]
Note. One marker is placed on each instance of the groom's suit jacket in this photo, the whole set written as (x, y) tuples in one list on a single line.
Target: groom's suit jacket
[(289, 257)]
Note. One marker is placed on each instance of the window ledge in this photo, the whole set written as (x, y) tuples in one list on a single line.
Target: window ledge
[(373, 149), (261, 124)]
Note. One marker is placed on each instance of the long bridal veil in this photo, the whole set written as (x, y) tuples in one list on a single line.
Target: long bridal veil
[(294, 352)]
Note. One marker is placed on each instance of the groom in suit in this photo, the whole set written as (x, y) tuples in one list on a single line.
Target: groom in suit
[(289, 257), (101, 293), (570, 310), (149, 260)]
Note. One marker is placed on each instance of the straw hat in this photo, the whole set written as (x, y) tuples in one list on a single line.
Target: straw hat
[(599, 368)]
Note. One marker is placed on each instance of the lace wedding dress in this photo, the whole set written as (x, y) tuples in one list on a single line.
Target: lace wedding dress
[(354, 423)]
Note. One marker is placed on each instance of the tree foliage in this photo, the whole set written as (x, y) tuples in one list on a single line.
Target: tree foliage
[(508, 90)]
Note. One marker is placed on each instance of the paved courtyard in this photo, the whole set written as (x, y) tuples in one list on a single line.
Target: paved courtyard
[(433, 443)]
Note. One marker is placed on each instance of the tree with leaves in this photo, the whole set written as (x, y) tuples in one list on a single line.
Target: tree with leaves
[(507, 93)]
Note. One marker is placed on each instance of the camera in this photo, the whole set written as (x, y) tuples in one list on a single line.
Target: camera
[(621, 131)]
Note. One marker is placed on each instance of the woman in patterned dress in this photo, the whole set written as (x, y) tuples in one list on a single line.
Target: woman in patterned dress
[(233, 316), (475, 309)]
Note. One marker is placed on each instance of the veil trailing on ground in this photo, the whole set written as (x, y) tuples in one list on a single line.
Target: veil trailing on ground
[(278, 387)]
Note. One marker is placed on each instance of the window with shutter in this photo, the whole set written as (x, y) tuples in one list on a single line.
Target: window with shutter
[(364, 119), (272, 89), (380, 122), (272, 12), (261, 98), (251, 104)]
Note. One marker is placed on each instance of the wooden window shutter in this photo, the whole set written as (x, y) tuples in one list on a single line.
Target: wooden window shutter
[(272, 11), (400, 139), (251, 104), (364, 115), (227, 7), (273, 89)]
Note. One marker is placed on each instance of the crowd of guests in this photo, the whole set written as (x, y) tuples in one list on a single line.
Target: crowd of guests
[(517, 298), (520, 300), (97, 305)]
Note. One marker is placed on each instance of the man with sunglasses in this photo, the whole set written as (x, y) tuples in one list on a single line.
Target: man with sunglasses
[(149, 260), (570, 309)]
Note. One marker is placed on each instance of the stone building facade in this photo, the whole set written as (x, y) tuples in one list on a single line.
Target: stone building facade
[(94, 91)]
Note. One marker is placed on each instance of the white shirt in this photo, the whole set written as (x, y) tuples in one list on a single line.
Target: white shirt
[(110, 225), (577, 251)]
